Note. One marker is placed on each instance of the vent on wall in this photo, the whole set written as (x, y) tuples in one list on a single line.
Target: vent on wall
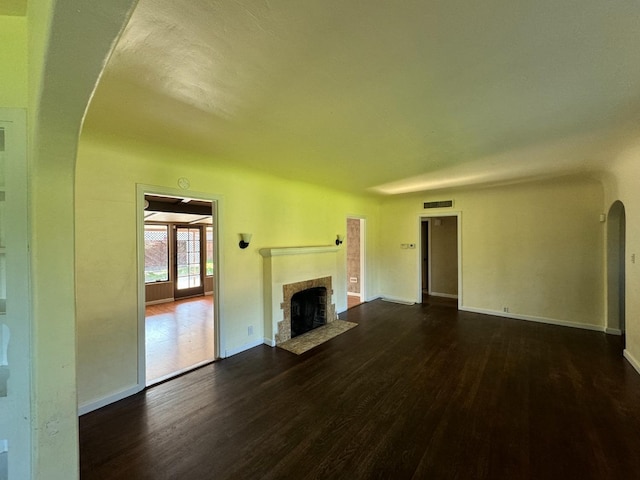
[(440, 204)]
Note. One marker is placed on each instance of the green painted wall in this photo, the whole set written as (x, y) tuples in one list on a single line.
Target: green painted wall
[(13, 62), (621, 183), (534, 248), (278, 212), (39, 14)]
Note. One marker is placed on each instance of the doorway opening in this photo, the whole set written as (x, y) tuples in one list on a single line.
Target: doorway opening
[(355, 261), (180, 252), (439, 260), (616, 233)]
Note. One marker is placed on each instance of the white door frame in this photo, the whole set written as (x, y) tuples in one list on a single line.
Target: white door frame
[(427, 217), (218, 324)]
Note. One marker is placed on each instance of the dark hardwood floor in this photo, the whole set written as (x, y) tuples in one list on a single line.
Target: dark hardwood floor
[(422, 392)]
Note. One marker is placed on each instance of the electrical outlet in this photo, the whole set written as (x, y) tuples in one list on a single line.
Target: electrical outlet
[(633, 258), (250, 330), (404, 246), (506, 309)]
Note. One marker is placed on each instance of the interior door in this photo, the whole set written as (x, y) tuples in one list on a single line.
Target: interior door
[(189, 261)]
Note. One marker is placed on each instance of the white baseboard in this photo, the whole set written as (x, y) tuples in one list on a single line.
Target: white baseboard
[(103, 402), (268, 341), (162, 300), (612, 331), (445, 295), (234, 351), (529, 318), (209, 293), (403, 301), (632, 360), (352, 294)]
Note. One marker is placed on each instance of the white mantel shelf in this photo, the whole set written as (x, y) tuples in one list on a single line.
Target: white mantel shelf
[(276, 252)]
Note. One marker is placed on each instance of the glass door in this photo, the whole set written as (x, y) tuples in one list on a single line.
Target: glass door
[(189, 261)]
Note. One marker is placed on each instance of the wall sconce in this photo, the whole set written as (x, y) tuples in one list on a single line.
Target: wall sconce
[(339, 239), (245, 240)]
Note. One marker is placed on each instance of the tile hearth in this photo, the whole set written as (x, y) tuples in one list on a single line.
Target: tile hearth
[(307, 341)]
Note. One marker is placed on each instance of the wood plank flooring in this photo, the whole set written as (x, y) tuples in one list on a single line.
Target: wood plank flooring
[(178, 336), (414, 392), (353, 301)]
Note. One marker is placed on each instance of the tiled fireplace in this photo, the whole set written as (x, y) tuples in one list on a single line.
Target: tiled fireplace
[(289, 290), (288, 271)]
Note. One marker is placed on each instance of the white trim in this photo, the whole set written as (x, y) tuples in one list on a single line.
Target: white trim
[(403, 301), (103, 402), (279, 251), (246, 346), (612, 331), (529, 318), (631, 359), (351, 294), (445, 295), (268, 341)]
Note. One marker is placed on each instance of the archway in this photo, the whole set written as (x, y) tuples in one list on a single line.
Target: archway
[(616, 269), (69, 43)]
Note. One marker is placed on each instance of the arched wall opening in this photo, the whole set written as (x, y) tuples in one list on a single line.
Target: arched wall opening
[(616, 228)]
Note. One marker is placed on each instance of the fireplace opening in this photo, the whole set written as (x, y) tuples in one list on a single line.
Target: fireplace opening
[(308, 310)]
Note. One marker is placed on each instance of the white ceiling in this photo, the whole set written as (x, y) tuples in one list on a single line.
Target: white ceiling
[(380, 96)]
